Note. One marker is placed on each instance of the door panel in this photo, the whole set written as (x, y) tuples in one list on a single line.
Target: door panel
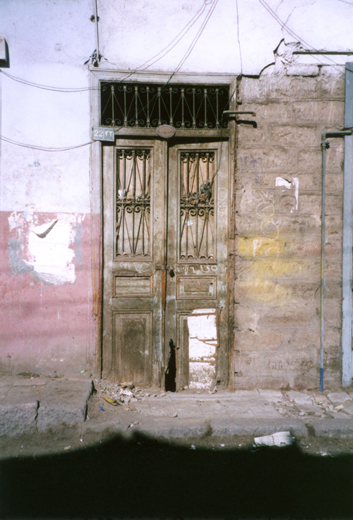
[(165, 262), (134, 236), (198, 257)]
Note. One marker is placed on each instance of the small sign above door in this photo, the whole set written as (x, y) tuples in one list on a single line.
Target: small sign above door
[(103, 134), (166, 131)]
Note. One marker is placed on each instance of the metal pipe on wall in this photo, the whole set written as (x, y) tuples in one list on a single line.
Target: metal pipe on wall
[(324, 145), (97, 32)]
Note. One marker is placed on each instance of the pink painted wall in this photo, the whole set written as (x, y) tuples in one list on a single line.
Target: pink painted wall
[(46, 322)]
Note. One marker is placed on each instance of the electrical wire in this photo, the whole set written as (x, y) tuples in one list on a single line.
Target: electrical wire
[(144, 66), (289, 30), (194, 42), (186, 55), (185, 30), (238, 34), (51, 149), (43, 148)]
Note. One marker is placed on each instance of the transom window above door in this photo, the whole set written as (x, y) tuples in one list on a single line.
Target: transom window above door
[(151, 105)]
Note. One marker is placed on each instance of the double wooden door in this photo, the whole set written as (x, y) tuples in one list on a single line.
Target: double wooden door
[(165, 297)]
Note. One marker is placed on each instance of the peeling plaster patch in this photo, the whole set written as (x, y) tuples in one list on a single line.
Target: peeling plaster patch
[(49, 247), (45, 250), (17, 265), (203, 344), (78, 246), (289, 185)]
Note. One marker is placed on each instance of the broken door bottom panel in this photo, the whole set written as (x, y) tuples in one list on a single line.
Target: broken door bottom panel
[(203, 342)]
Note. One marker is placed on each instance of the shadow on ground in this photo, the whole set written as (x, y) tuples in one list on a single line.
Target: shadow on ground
[(147, 478)]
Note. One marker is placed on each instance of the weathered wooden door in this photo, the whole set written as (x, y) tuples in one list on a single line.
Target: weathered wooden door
[(165, 262), (197, 292)]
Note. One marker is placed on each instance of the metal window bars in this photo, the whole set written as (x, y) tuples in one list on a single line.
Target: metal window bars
[(151, 105), (133, 202), (197, 205)]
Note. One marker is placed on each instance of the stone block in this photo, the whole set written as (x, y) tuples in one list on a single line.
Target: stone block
[(295, 136), (273, 88), (272, 158), (331, 83), (17, 418), (334, 224), (248, 136), (299, 397), (334, 183), (273, 396), (329, 112), (348, 408), (339, 397), (257, 427), (302, 69), (310, 161), (333, 427), (310, 203), (178, 430), (293, 224), (335, 156), (292, 88), (271, 113), (64, 403)]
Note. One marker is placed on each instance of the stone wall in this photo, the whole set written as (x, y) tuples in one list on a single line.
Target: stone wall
[(278, 228)]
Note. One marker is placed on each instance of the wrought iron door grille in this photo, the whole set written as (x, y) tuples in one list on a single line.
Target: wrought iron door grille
[(133, 202), (146, 106), (196, 205)]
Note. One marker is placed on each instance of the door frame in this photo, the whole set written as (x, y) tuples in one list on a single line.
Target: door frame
[(96, 187)]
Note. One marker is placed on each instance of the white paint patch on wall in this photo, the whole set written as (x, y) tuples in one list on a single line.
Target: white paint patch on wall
[(289, 185), (49, 247), (203, 342), (46, 249)]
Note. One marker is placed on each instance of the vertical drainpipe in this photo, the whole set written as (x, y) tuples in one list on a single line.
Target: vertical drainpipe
[(347, 241), (324, 145), (97, 32)]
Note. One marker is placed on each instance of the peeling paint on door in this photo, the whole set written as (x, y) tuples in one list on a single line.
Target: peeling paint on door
[(203, 342)]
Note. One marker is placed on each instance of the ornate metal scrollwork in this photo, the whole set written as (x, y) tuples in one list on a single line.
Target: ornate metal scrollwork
[(143, 105), (133, 202), (197, 205)]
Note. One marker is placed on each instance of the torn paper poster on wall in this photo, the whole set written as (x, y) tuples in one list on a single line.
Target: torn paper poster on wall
[(45, 250), (203, 342), (294, 184)]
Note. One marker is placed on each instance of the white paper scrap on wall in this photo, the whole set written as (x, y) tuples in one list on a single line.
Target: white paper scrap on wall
[(287, 184), (50, 252)]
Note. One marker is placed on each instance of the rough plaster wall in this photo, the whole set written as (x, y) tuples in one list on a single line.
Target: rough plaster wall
[(278, 221), (46, 321)]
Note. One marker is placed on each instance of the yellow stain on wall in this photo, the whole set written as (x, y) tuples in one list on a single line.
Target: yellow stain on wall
[(267, 263), (261, 246)]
